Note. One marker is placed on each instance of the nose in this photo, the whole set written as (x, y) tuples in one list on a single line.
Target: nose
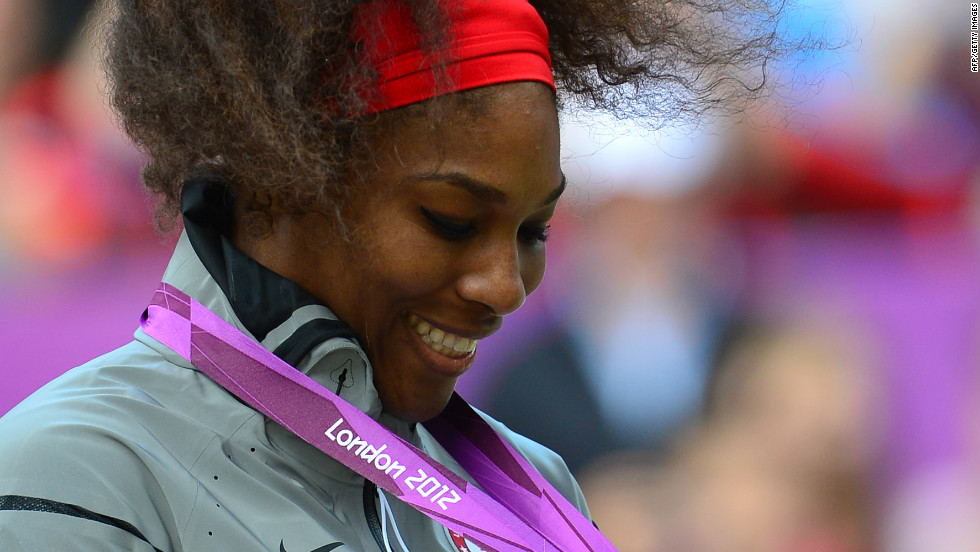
[(495, 279)]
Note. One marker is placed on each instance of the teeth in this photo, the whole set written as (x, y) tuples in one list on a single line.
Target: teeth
[(446, 343)]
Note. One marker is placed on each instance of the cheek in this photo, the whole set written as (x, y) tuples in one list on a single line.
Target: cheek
[(408, 265)]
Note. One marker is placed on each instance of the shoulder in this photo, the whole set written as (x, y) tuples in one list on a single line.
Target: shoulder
[(134, 390), (131, 401), (548, 463), (100, 444)]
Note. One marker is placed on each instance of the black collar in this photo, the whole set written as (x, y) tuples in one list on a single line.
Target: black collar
[(262, 299)]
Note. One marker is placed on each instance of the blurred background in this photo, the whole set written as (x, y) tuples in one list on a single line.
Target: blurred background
[(754, 336)]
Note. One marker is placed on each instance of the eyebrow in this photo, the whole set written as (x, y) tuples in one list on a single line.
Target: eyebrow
[(486, 192)]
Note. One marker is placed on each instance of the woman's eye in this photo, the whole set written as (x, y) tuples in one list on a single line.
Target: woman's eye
[(534, 233), (448, 229)]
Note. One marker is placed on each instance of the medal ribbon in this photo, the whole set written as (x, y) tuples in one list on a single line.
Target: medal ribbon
[(520, 510)]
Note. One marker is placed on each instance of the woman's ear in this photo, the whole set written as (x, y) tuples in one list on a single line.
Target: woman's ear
[(254, 213)]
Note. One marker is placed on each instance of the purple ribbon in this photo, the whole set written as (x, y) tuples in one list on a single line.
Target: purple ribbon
[(520, 510)]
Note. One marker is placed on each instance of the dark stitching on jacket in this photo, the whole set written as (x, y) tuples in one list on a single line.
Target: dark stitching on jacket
[(19, 503)]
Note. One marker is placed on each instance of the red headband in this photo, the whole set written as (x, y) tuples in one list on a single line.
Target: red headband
[(490, 42)]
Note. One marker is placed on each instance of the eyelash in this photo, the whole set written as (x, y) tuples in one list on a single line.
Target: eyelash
[(535, 233), (454, 231)]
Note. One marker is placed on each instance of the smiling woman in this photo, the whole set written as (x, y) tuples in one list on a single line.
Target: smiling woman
[(364, 190), (447, 237)]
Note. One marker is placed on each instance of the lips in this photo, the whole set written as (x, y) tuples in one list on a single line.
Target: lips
[(441, 341)]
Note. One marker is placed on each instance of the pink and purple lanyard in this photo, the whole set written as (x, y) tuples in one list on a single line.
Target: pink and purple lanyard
[(519, 510)]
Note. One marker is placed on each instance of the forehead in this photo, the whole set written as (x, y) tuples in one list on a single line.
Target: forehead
[(497, 132)]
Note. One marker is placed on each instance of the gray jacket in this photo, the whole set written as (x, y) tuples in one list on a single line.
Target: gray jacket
[(136, 450)]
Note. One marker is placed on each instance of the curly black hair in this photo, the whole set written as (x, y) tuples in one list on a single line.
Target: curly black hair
[(259, 90)]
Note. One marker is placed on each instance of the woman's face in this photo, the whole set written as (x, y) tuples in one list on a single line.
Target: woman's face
[(447, 238)]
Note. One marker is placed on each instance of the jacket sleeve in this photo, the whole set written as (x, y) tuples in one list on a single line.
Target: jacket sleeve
[(34, 524), (68, 483)]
